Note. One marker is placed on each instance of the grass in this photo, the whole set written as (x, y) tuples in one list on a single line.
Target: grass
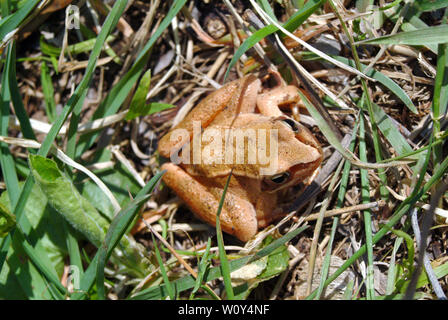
[(78, 197)]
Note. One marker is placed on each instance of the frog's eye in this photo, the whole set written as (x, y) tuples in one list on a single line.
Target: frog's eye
[(280, 178), (292, 124)]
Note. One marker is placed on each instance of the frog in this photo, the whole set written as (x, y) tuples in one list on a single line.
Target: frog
[(204, 149)]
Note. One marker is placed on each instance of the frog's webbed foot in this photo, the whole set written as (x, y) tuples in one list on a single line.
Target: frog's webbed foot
[(237, 217)]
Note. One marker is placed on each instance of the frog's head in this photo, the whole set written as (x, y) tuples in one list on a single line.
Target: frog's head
[(299, 156)]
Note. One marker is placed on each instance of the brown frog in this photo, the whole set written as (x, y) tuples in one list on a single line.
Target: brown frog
[(240, 128)]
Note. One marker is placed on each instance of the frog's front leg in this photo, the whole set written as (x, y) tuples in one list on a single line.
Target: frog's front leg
[(238, 216), (268, 102)]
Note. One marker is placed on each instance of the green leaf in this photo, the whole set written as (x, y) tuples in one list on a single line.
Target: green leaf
[(277, 262), (49, 49), (138, 102), (20, 278), (424, 36), (66, 200), (138, 105), (408, 262), (150, 108)]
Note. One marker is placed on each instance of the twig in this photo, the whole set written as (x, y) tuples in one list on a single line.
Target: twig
[(358, 207), (422, 244), (427, 264)]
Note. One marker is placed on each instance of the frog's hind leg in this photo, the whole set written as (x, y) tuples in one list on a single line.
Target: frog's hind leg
[(238, 216)]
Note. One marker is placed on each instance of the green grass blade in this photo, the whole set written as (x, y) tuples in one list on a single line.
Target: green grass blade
[(6, 160), (20, 241), (166, 280), (138, 106), (439, 271), (16, 99), (225, 268), (301, 15), (264, 4), (424, 36), (409, 245), (390, 131), (202, 268), (81, 91), (254, 38), (438, 84), (392, 271), (384, 192), (13, 21), (74, 49), (339, 202), (48, 91), (125, 217), (430, 5), (73, 249), (365, 195)]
